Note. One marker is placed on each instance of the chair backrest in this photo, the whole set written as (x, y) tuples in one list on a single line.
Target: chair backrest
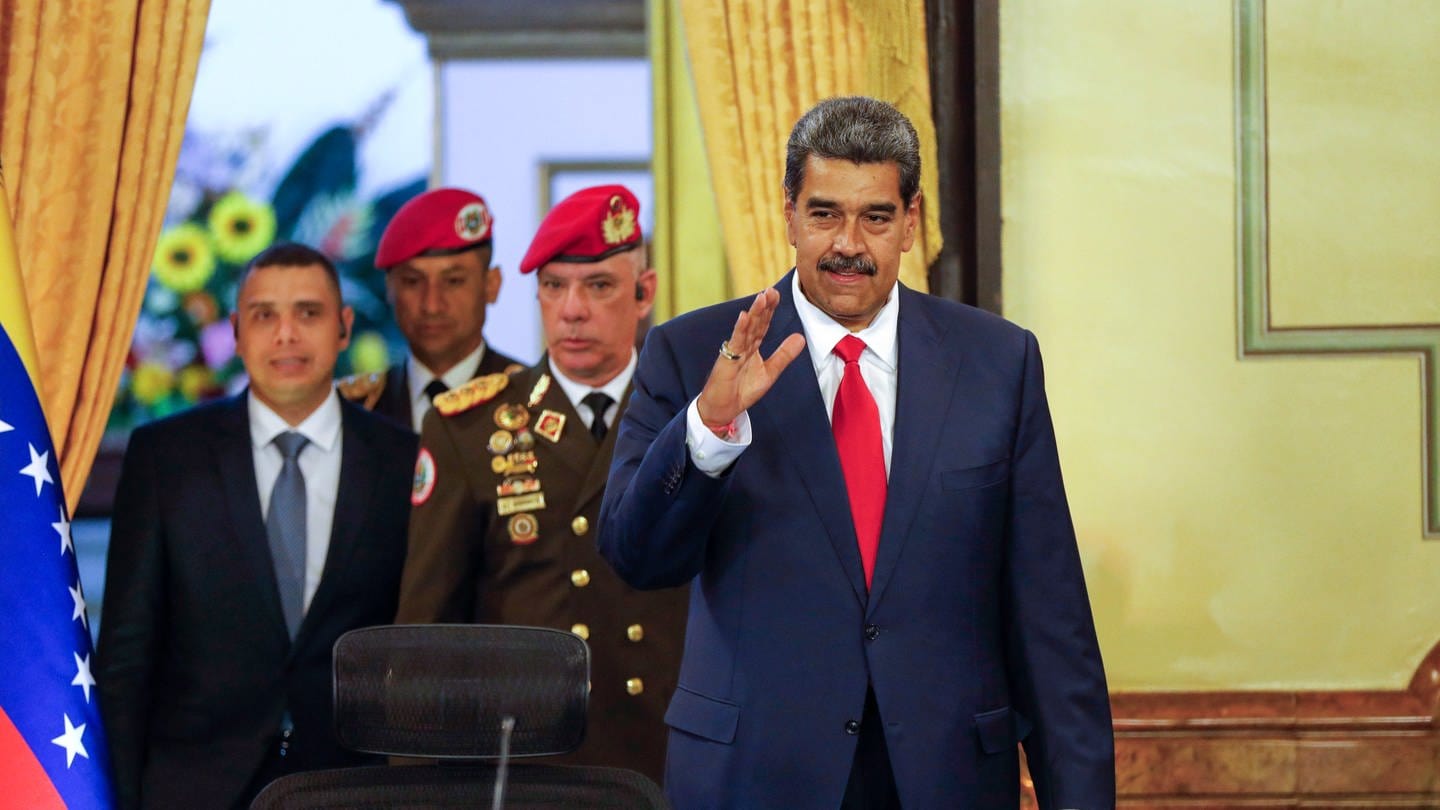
[(442, 690)]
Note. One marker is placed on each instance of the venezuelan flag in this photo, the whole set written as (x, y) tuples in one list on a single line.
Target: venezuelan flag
[(52, 747)]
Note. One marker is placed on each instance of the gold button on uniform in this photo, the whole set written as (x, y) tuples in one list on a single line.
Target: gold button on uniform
[(579, 577), (582, 630), (635, 632), (580, 526), (634, 686)]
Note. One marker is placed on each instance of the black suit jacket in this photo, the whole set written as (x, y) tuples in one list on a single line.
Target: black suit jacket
[(195, 667), (394, 401)]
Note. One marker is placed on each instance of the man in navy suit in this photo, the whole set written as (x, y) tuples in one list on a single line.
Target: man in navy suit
[(248, 535), (887, 591)]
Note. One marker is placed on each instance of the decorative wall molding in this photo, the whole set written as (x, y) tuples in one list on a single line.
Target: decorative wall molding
[(541, 29), (1257, 335), (1282, 749)]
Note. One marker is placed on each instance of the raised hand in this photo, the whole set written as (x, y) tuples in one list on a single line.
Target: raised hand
[(736, 384)]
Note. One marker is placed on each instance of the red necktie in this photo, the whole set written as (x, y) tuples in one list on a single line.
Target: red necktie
[(856, 423)]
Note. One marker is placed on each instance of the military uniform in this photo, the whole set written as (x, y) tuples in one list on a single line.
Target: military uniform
[(506, 500), (388, 394)]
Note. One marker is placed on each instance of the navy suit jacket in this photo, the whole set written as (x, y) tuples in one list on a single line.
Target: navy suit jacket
[(977, 631), (195, 666)]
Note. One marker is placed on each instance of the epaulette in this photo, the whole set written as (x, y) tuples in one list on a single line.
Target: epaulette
[(476, 392), (362, 388), (514, 368)]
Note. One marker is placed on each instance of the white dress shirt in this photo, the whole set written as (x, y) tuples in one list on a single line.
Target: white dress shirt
[(575, 391), (418, 376), (319, 463), (879, 366)]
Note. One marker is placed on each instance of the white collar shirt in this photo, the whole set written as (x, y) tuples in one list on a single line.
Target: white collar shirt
[(319, 463), (418, 376), (576, 391)]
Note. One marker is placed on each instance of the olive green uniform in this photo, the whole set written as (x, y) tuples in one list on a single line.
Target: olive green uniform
[(484, 549)]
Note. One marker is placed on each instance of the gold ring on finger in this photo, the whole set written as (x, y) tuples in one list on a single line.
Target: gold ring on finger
[(725, 351)]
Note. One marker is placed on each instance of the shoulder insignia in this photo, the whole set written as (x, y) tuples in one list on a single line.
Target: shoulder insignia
[(476, 392), (362, 388), (514, 368)]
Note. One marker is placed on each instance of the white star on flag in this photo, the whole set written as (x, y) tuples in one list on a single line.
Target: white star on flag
[(83, 678), (79, 606), (70, 741), (63, 529), (38, 468), (5, 428)]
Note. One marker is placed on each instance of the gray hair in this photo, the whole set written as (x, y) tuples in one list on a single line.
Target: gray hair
[(858, 129)]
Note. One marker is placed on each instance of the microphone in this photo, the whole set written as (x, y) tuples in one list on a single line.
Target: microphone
[(502, 771)]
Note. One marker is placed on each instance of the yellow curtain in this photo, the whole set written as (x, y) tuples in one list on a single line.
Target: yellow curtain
[(93, 99), (758, 65), (687, 247)]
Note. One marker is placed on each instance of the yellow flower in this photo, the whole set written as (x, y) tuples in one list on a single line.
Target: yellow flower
[(242, 227), (183, 259), (195, 381), (151, 382), (368, 353)]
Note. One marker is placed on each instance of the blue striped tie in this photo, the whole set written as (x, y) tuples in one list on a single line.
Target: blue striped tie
[(285, 524)]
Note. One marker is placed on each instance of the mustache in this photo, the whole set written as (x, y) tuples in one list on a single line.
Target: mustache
[(857, 264)]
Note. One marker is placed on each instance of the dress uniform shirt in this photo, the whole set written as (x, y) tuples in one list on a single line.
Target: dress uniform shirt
[(576, 392), (878, 366), (418, 376), (320, 464)]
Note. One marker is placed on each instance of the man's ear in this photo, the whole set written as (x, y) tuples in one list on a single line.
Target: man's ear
[(645, 286), (347, 327), (492, 284), (912, 220), (789, 218)]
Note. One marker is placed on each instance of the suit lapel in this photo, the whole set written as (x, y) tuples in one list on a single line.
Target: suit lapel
[(920, 417), (792, 415), (358, 462), (235, 459), (397, 388)]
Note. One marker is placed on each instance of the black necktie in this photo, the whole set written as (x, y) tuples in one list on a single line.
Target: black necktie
[(599, 403), (435, 388)]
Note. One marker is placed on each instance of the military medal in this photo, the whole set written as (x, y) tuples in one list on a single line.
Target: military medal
[(538, 392), (517, 486), (550, 424), (501, 442), (512, 416), (521, 463), (520, 503), (524, 439), (523, 528)]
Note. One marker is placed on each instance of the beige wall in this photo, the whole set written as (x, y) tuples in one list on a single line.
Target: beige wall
[(1245, 522)]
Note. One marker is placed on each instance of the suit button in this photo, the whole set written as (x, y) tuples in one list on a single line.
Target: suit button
[(852, 726), (580, 525), (635, 632), (872, 632), (634, 686), (581, 629), (579, 577)]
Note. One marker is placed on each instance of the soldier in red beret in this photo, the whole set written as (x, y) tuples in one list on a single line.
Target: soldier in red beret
[(436, 256), (512, 470)]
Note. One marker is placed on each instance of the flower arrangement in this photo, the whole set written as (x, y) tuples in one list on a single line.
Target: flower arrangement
[(183, 350)]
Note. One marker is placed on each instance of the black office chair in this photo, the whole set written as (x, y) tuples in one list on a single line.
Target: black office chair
[(460, 694)]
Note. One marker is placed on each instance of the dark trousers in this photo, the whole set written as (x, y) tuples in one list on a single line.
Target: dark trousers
[(872, 783)]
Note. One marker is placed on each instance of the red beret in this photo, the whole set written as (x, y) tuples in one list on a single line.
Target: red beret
[(445, 220), (590, 225)]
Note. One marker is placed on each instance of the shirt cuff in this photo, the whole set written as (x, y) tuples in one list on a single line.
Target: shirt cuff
[(709, 453)]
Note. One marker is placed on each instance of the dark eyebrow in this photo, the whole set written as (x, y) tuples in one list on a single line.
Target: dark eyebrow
[(882, 208), (820, 202)]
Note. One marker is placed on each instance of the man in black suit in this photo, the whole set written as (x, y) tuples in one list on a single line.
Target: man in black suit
[(248, 535), (436, 255)]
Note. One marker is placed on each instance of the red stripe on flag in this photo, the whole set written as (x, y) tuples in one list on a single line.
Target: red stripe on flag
[(26, 783)]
